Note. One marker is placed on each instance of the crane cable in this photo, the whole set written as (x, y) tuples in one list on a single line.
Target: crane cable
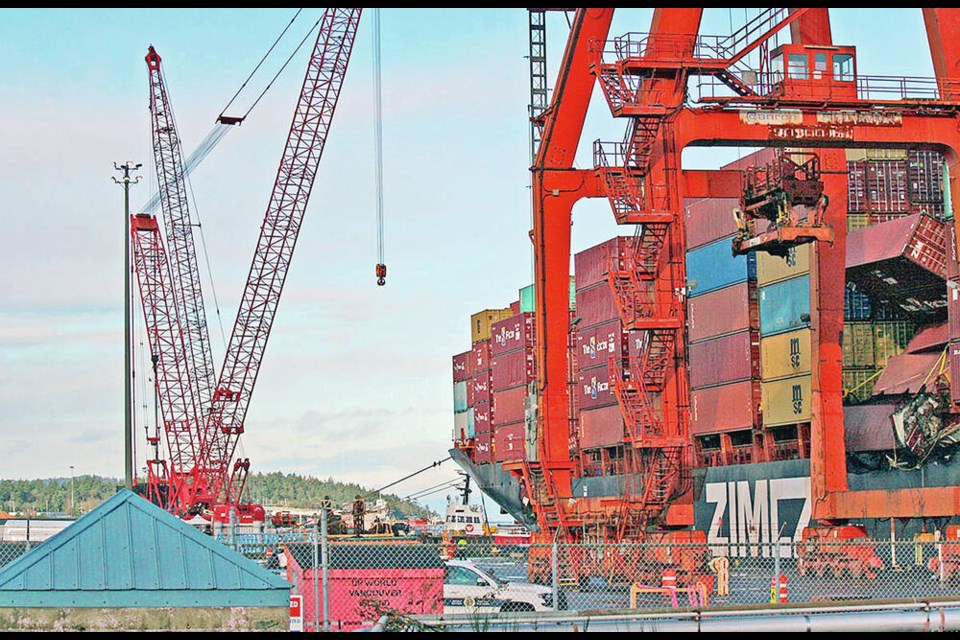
[(262, 60), (380, 490), (378, 143), (225, 123)]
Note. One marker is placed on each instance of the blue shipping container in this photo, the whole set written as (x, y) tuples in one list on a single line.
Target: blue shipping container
[(713, 267), (471, 425), (785, 306), (459, 396), (856, 306)]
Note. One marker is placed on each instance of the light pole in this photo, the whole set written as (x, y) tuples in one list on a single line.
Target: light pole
[(126, 168), (73, 502)]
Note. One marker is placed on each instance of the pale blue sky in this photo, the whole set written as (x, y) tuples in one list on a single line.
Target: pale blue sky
[(356, 379)]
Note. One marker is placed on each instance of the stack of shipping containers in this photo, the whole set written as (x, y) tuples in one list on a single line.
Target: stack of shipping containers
[(481, 398), (602, 344), (463, 419), (884, 185), (512, 355), (750, 346), (785, 351), (722, 335)]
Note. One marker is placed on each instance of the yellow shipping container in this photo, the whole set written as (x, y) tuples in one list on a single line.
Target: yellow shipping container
[(857, 221), (858, 345), (480, 322), (785, 355), (786, 401), (859, 155), (774, 268)]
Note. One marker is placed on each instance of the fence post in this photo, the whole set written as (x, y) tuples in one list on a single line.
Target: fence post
[(776, 570), (316, 576), (233, 530), (325, 562), (554, 566)]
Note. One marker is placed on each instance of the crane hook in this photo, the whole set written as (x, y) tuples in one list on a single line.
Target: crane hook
[(381, 274)]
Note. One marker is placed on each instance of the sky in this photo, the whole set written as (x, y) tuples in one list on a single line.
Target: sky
[(356, 381)]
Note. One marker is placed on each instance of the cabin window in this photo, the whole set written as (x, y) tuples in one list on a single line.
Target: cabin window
[(843, 67), (710, 443), (776, 68), (819, 65), (797, 66)]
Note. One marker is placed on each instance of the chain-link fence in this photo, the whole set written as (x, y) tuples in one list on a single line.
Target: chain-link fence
[(10, 551), (348, 583)]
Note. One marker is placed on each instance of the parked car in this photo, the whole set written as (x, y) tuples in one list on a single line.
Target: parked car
[(468, 588)]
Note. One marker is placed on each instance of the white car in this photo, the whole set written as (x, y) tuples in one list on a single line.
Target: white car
[(469, 589)]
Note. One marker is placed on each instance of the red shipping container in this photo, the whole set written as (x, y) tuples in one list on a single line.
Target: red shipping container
[(601, 427), (591, 264), (919, 238), (596, 345), (594, 389), (481, 356), (402, 580), (869, 428), (513, 369), (953, 353), (482, 385), (461, 366), (511, 334), (725, 408), (720, 360), (953, 310), (508, 406), (925, 173), (887, 186), (596, 305), (483, 448), (509, 442), (755, 159), (709, 220), (857, 187), (483, 418), (515, 307), (718, 312)]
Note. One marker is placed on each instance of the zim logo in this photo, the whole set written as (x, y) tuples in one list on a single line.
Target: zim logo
[(748, 523)]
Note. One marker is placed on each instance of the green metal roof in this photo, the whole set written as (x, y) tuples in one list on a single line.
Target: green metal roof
[(130, 553)]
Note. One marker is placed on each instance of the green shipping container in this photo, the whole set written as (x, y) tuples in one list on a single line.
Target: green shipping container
[(528, 300), (858, 384), (858, 349)]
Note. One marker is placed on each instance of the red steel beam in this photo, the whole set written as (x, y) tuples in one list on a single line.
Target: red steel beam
[(812, 27), (828, 477), (556, 188)]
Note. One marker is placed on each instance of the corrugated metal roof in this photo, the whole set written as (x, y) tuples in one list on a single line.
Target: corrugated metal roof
[(129, 553)]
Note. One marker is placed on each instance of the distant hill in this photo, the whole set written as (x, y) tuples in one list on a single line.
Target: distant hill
[(52, 495)]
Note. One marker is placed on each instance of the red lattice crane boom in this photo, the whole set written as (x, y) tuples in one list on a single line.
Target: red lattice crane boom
[(169, 482), (203, 421), (271, 261)]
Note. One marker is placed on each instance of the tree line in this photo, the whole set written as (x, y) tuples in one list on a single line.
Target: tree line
[(74, 496)]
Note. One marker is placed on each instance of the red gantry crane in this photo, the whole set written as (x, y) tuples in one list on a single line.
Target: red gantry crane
[(203, 420), (805, 95)]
